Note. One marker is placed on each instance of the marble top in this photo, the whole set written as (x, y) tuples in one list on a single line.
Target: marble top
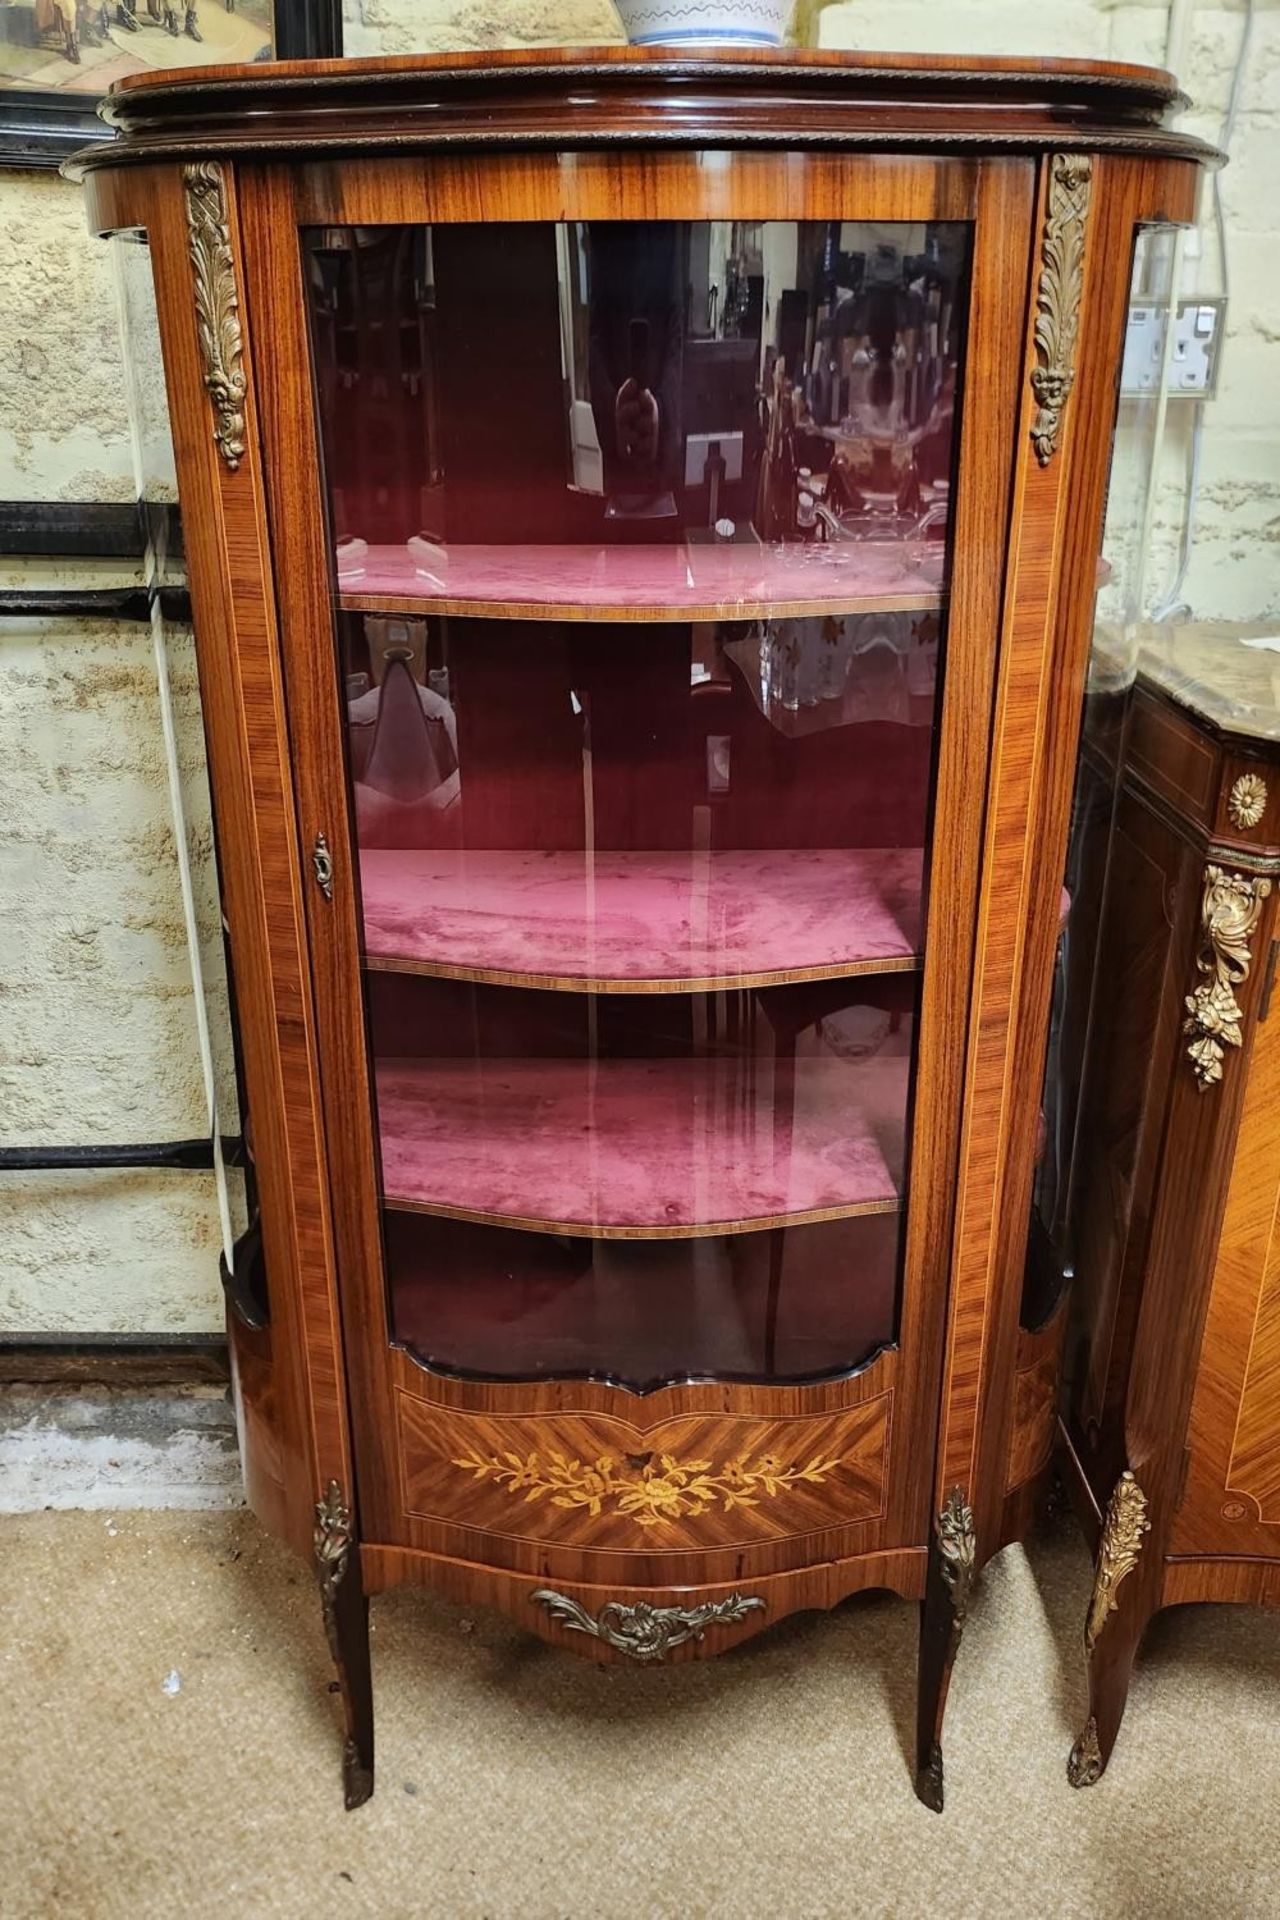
[(1221, 671)]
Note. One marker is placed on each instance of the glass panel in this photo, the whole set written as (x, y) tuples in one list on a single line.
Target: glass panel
[(217, 1034), (638, 417), (1104, 873), (640, 547)]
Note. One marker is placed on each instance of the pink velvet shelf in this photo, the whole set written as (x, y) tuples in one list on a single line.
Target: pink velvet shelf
[(734, 581), (643, 1148), (642, 922)]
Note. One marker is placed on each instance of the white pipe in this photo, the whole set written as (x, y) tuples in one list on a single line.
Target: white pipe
[(1177, 37), (177, 808)]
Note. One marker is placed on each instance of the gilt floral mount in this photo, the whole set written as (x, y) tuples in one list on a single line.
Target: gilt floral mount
[(641, 1630), (1230, 908)]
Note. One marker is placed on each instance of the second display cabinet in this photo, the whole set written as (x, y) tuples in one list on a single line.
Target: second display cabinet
[(643, 518)]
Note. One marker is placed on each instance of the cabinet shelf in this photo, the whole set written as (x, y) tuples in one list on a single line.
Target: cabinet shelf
[(809, 1303), (644, 1149), (643, 922), (739, 580)]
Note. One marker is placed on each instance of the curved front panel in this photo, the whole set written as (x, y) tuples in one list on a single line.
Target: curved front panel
[(643, 912), (598, 1483)]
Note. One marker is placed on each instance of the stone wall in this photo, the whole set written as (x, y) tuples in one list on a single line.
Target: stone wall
[(419, 26), (98, 1036), (97, 1021)]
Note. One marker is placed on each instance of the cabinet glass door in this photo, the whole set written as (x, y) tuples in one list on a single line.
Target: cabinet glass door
[(640, 538), (1105, 1023)]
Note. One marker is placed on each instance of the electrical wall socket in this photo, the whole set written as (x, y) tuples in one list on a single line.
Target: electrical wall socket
[(698, 446), (1193, 359)]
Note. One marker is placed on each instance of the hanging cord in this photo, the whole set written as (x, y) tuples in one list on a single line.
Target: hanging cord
[(177, 808), (1173, 602)]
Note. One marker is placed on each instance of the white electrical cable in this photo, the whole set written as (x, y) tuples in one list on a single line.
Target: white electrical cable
[(1224, 141), (1173, 602), (177, 809)]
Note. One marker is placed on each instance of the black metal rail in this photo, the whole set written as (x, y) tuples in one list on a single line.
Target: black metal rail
[(175, 1156), (92, 603), (96, 529)]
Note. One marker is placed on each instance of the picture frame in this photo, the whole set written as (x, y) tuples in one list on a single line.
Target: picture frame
[(63, 44)]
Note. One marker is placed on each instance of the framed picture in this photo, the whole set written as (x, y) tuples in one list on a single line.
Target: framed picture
[(58, 57)]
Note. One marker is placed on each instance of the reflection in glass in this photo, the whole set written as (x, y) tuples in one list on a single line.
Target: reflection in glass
[(1102, 870), (640, 543), (487, 392), (191, 801), (793, 1303)]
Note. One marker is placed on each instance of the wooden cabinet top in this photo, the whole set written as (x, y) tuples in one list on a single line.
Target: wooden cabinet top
[(635, 95)]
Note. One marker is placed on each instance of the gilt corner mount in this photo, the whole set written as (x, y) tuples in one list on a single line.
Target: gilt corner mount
[(217, 305), (332, 1543), (1122, 1530), (1058, 297), (1230, 909), (957, 1546)]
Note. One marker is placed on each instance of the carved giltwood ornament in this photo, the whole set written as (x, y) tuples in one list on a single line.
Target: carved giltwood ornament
[(1247, 801), (1230, 908), (1118, 1551), (217, 305), (1058, 296), (332, 1543), (642, 1631), (1084, 1766)]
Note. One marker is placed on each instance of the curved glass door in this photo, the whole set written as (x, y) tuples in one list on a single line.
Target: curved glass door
[(1113, 893), (641, 537)]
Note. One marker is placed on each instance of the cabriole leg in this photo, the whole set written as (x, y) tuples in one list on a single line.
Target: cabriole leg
[(1117, 1618), (346, 1625), (952, 1559)]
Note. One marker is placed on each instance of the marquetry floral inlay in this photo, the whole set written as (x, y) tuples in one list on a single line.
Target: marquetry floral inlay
[(660, 1488)]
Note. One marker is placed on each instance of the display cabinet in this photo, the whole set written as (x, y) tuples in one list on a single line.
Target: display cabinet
[(642, 515), (1165, 1222)]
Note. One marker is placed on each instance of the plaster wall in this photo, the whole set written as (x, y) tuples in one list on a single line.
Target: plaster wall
[(420, 26), (98, 1038), (1234, 572), (97, 1019)]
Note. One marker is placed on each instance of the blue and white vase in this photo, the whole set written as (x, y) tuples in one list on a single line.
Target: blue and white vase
[(702, 23)]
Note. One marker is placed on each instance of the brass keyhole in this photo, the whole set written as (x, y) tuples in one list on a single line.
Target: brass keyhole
[(322, 862)]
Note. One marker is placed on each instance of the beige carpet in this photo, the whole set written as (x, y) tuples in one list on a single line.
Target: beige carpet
[(513, 1781)]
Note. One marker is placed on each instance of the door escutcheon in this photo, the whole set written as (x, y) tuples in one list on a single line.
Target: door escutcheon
[(322, 863)]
